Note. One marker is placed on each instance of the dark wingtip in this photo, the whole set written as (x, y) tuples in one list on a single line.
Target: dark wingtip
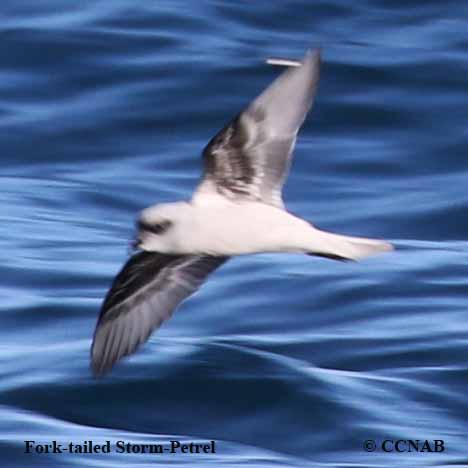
[(97, 372), (102, 359), (315, 52), (98, 369), (313, 57)]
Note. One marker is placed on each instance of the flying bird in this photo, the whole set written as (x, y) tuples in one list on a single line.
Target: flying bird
[(236, 209)]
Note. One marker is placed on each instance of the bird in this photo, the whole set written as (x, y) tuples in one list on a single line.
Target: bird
[(236, 209)]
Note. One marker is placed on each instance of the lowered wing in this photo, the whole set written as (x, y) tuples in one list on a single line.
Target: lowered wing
[(144, 294)]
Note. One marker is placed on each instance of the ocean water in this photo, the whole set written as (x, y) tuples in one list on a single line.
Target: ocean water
[(282, 360)]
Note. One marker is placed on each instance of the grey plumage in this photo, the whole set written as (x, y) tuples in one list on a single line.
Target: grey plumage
[(250, 157), (144, 294), (247, 160)]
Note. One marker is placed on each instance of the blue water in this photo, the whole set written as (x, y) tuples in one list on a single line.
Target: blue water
[(283, 360)]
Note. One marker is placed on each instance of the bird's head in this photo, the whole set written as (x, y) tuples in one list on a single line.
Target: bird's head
[(156, 227)]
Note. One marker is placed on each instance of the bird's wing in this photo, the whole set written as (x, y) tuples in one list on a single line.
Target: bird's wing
[(250, 157), (144, 294)]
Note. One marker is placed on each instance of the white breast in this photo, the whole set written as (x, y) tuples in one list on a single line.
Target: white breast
[(221, 227)]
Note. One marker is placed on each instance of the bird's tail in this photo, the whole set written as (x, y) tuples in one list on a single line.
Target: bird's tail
[(339, 247)]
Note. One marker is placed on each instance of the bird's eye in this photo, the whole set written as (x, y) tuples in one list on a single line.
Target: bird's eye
[(156, 228)]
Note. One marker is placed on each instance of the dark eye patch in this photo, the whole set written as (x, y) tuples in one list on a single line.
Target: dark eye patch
[(156, 228)]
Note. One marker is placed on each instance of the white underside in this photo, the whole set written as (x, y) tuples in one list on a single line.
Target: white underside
[(214, 225)]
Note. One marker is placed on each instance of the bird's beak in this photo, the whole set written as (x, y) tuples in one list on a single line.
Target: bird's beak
[(135, 244)]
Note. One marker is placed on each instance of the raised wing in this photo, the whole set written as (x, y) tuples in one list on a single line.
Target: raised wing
[(250, 157), (144, 294)]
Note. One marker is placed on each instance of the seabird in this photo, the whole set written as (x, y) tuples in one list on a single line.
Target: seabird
[(236, 209)]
